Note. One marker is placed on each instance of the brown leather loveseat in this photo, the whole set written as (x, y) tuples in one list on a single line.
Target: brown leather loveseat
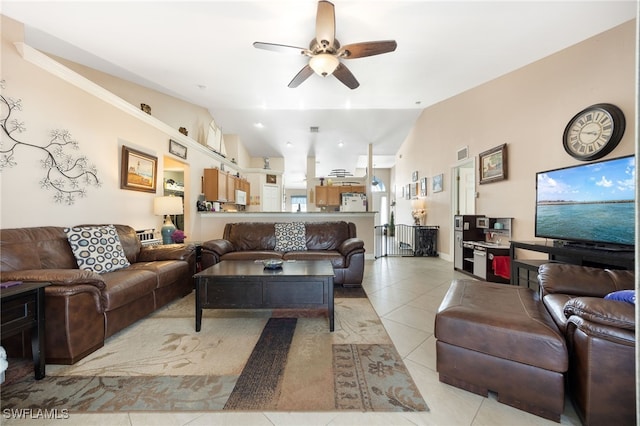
[(82, 307), (333, 241), (600, 337)]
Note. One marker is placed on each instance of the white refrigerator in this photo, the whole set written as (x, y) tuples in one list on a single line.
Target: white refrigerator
[(353, 202)]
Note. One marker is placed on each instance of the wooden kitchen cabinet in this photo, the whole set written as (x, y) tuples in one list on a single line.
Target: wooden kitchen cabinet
[(331, 195), (327, 196), (355, 188), (321, 195), (214, 185), (232, 182), (244, 185)]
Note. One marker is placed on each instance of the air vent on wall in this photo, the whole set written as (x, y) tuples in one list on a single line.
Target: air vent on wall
[(314, 129), (463, 153)]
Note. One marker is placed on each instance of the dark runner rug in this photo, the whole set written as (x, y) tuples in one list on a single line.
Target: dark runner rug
[(258, 386)]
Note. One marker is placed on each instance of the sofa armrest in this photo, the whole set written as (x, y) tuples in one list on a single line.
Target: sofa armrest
[(219, 246), (68, 291), (610, 313), (582, 280), (351, 245), (61, 277), (600, 331), (167, 252)]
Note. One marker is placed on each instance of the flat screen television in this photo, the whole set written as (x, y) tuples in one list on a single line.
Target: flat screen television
[(591, 204)]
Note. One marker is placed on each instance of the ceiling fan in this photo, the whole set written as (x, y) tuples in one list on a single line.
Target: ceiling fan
[(325, 51)]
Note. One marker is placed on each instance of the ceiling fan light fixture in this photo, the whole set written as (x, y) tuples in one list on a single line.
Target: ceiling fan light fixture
[(324, 64)]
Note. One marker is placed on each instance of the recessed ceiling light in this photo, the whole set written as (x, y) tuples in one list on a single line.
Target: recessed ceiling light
[(340, 144), (288, 143), (259, 125)]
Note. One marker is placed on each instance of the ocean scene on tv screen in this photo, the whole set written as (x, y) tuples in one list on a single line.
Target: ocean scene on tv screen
[(593, 202)]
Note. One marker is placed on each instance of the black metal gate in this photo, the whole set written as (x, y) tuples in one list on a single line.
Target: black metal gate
[(406, 240)]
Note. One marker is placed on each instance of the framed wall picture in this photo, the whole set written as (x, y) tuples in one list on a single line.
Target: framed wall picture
[(414, 176), (414, 187), (272, 179), (493, 164), (407, 191), (436, 183), (177, 149), (138, 170), (423, 187)]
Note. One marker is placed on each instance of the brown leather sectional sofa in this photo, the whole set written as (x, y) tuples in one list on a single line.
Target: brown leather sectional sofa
[(532, 348), (334, 241), (600, 337), (83, 308)]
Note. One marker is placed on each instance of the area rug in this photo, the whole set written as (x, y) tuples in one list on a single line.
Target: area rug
[(260, 360)]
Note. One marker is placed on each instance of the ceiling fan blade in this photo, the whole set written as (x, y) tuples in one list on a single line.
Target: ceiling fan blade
[(282, 48), (325, 24), (304, 74), (369, 48), (343, 74)]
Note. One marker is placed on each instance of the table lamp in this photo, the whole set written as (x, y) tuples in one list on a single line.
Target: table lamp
[(419, 210), (167, 206)]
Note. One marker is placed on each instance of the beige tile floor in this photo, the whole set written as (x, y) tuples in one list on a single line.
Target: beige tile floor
[(406, 293)]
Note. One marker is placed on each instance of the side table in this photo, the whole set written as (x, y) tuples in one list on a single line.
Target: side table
[(23, 310)]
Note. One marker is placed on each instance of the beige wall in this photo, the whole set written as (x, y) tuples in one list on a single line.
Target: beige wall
[(169, 109), (528, 110)]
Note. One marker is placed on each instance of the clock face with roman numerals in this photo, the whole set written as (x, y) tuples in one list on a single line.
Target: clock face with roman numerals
[(594, 132)]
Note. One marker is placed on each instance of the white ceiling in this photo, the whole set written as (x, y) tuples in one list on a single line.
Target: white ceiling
[(202, 52)]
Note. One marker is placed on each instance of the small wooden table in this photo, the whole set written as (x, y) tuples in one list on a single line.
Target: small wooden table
[(23, 310), (242, 284)]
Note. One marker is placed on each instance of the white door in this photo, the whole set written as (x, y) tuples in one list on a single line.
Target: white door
[(463, 195), (380, 204), (271, 198), (464, 191)]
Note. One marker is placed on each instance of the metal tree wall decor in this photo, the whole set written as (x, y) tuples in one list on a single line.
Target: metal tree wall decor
[(67, 175)]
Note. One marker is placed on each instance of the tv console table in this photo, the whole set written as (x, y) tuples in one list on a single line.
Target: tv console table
[(597, 258)]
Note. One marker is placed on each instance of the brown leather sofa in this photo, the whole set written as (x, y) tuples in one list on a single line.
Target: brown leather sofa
[(333, 241), (499, 338), (83, 308), (600, 337)]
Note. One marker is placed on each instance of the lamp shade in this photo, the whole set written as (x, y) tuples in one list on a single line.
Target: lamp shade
[(418, 204), (324, 64), (167, 205)]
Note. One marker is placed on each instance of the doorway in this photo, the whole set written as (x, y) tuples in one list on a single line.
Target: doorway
[(271, 198), (463, 193), (173, 183)]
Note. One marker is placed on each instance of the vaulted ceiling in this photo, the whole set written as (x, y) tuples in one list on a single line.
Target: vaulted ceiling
[(203, 52)]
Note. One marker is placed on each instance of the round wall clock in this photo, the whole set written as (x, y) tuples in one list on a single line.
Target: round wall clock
[(594, 132)]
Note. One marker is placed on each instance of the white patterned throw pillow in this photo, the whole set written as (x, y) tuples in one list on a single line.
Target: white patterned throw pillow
[(97, 248), (291, 236)]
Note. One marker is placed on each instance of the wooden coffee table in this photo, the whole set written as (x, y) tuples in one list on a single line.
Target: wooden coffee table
[(240, 284)]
